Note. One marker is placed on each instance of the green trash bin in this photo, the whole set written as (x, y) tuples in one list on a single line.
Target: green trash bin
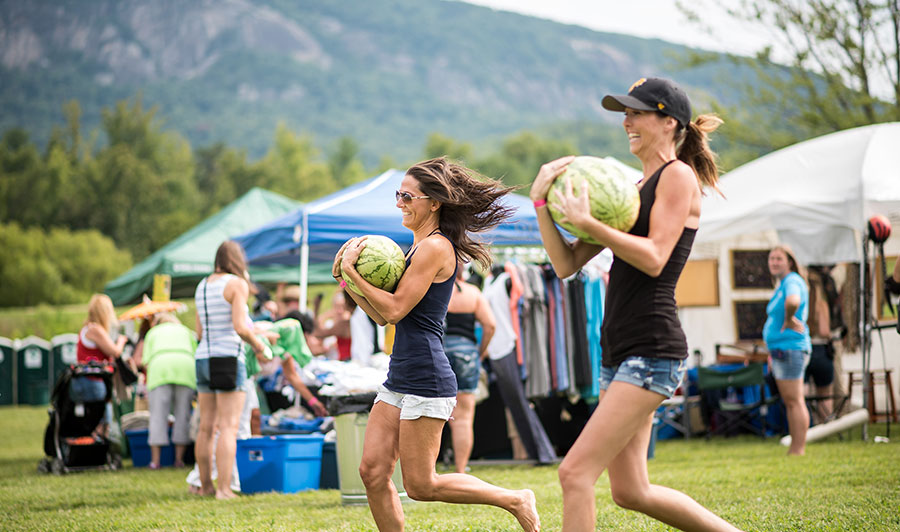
[(7, 361), (65, 353), (33, 371), (351, 433)]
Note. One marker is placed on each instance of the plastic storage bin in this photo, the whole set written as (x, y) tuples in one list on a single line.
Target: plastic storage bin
[(140, 449), (287, 462)]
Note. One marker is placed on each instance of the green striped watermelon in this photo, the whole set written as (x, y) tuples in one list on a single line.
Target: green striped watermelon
[(614, 198), (381, 263)]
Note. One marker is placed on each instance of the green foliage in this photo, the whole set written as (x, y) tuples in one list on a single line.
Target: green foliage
[(58, 266), (294, 169), (843, 71)]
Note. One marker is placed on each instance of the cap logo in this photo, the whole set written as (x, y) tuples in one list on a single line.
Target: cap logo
[(661, 106), (637, 84)]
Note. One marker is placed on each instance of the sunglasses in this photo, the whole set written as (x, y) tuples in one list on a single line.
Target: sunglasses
[(407, 197)]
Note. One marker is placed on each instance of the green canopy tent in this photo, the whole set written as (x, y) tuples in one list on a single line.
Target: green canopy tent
[(189, 258)]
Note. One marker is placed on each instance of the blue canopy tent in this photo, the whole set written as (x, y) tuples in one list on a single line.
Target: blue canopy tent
[(314, 233)]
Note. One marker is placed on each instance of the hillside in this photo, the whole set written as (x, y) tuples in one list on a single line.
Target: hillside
[(384, 72)]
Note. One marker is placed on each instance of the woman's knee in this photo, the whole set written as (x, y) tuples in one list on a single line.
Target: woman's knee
[(419, 489), (374, 474), (628, 496), (571, 476)]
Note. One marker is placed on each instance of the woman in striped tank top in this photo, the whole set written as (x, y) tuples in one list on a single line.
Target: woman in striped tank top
[(223, 324)]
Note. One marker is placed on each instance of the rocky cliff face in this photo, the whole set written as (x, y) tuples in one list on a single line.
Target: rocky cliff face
[(137, 41)]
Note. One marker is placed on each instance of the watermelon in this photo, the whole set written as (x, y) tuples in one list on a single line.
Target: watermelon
[(614, 198), (381, 263)]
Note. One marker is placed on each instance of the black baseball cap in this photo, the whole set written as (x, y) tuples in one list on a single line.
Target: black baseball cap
[(653, 94)]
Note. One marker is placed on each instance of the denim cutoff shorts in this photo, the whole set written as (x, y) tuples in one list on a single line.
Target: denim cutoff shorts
[(660, 375), (464, 359), (789, 364), (202, 366)]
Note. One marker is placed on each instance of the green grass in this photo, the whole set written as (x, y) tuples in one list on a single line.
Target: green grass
[(838, 486)]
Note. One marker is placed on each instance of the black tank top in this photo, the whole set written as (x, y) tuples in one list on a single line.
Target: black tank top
[(418, 364), (641, 317), (460, 323)]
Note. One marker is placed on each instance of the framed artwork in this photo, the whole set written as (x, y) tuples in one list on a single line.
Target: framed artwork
[(749, 319), (750, 268), (698, 285)]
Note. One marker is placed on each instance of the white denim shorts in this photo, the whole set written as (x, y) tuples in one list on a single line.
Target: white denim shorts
[(416, 406)]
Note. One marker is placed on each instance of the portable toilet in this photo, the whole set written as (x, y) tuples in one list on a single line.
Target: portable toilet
[(33, 371), (7, 361), (65, 349)]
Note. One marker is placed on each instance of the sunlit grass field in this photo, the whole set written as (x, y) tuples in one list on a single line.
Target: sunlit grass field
[(838, 486)]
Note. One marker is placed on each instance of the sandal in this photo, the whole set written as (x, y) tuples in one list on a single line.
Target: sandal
[(153, 466)]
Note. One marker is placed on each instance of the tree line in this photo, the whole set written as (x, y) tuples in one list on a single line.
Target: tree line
[(86, 207)]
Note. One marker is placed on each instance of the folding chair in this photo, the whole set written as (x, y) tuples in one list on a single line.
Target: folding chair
[(734, 399)]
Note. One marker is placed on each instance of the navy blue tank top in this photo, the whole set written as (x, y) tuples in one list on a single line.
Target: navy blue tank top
[(641, 317), (418, 364)]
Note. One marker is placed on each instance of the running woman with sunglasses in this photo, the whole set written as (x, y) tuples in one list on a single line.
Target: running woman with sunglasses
[(644, 347), (442, 202)]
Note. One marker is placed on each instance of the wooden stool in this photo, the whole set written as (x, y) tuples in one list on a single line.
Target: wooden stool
[(880, 376)]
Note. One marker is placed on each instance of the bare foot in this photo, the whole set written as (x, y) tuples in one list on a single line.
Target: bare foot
[(525, 510), (222, 495), (196, 490)]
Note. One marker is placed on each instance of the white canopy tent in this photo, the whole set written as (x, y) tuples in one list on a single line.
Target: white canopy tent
[(815, 196)]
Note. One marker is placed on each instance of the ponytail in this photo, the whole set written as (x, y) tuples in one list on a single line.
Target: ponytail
[(695, 152)]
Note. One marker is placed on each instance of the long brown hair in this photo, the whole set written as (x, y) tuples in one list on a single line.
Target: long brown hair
[(469, 203), (694, 149), (793, 263), (230, 258)]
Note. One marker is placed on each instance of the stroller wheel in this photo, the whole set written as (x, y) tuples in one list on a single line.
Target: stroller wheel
[(56, 466), (44, 465)]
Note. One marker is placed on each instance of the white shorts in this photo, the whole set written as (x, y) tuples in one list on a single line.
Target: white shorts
[(416, 406)]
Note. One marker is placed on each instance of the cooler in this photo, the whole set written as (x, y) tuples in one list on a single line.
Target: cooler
[(287, 462)]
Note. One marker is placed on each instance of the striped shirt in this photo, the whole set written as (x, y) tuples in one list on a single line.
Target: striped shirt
[(219, 339)]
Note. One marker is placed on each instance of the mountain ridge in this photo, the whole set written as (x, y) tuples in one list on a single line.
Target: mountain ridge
[(386, 73)]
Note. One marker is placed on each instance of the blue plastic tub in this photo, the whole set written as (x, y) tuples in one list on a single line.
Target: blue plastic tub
[(286, 463), (140, 450)]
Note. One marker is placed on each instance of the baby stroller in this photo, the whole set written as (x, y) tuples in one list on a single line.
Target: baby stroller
[(77, 406)]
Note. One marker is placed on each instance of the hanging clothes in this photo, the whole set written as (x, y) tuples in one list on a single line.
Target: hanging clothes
[(504, 340), (534, 331)]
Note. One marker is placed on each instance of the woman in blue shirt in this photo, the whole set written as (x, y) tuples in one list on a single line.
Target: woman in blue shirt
[(787, 337)]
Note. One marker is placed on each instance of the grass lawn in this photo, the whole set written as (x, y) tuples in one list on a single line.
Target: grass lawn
[(838, 486)]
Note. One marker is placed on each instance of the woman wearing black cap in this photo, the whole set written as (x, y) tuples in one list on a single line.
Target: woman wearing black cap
[(644, 347)]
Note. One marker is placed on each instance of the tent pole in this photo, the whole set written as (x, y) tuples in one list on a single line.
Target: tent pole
[(864, 283), (304, 261)]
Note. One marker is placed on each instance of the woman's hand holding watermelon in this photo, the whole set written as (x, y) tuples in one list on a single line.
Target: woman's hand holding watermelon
[(574, 208), (352, 249), (338, 257), (547, 175)]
